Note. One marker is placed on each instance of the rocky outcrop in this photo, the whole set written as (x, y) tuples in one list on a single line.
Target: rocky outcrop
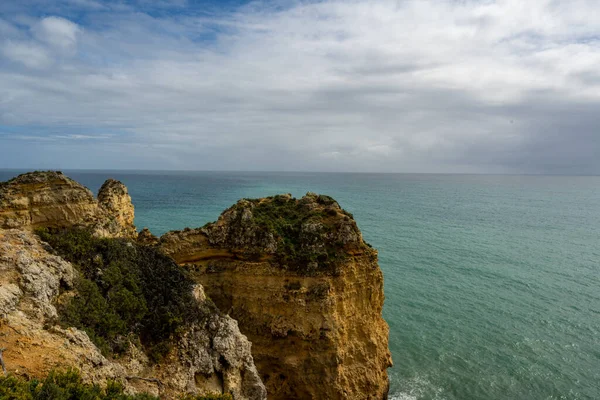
[(303, 286), (40, 199), (115, 203), (145, 237), (51, 199), (211, 356), (296, 274)]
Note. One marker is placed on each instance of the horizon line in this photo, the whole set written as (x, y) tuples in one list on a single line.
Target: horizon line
[(130, 170)]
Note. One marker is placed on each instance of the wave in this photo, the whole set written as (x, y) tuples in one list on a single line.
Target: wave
[(414, 388)]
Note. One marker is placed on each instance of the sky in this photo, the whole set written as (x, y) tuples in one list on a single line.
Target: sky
[(457, 86)]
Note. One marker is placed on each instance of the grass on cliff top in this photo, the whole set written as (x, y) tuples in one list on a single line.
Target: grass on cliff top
[(68, 385), (283, 217), (125, 292)]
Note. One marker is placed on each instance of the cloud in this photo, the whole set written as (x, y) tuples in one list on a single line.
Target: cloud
[(54, 137), (88, 4), (83, 137), (408, 86), (7, 29), (57, 32), (48, 39), (29, 54)]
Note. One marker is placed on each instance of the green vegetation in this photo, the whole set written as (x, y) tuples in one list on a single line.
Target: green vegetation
[(308, 252), (125, 292), (65, 385), (225, 396), (68, 385)]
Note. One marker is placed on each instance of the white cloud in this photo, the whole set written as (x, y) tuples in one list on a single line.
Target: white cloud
[(7, 29), (83, 137), (88, 4), (57, 32), (29, 54), (414, 85)]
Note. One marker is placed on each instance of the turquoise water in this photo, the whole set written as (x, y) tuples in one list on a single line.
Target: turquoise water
[(492, 282)]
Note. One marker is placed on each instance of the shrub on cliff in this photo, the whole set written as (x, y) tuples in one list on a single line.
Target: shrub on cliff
[(125, 292), (68, 385), (301, 249), (65, 385)]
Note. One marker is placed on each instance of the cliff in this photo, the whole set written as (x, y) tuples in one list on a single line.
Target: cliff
[(48, 304), (173, 315), (304, 287), (51, 199)]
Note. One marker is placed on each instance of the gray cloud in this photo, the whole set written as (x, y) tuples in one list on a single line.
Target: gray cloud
[(408, 86)]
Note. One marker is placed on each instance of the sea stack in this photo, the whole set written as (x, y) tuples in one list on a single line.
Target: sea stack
[(304, 287)]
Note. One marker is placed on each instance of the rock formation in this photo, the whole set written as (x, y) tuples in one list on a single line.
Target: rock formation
[(51, 199), (210, 358), (45, 199), (304, 287), (209, 355), (115, 203), (146, 237), (295, 273)]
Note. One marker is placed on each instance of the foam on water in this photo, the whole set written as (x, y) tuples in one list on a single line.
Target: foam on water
[(403, 396), (414, 389)]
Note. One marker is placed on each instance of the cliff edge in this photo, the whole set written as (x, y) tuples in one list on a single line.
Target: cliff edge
[(51, 199), (89, 297), (304, 287), (172, 315)]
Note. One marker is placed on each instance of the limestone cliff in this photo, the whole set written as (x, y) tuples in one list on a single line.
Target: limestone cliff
[(115, 205), (51, 199), (208, 355), (213, 357), (303, 286), (295, 273)]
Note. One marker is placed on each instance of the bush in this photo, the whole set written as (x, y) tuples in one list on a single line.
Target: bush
[(225, 396), (284, 217), (68, 385), (125, 292)]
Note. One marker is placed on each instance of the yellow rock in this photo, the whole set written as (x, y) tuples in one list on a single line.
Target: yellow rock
[(304, 287)]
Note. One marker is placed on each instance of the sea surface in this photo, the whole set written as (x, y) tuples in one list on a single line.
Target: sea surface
[(492, 282)]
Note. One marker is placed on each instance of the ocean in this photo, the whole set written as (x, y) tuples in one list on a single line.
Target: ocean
[(492, 282)]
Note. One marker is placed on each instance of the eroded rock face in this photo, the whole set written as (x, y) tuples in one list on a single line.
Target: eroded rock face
[(51, 199), (145, 237), (41, 199), (211, 357), (114, 200), (303, 286), (296, 274)]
